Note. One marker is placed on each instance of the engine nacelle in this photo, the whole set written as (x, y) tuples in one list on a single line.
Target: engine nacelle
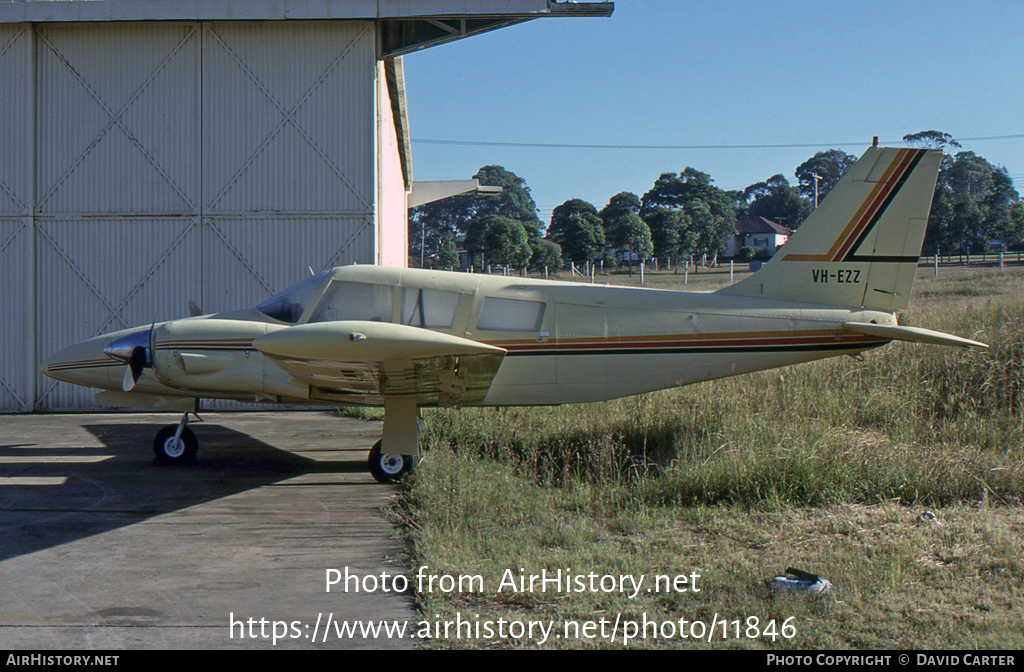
[(210, 357)]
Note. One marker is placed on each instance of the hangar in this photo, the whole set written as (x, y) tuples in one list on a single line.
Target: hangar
[(156, 152)]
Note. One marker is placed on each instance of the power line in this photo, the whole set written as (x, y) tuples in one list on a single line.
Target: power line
[(559, 145)]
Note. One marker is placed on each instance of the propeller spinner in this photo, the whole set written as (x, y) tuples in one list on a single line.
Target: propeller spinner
[(135, 350)]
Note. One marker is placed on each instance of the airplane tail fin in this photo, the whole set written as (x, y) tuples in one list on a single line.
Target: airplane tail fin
[(861, 246)]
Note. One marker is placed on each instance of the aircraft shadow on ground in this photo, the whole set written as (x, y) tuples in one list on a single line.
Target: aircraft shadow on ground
[(129, 487)]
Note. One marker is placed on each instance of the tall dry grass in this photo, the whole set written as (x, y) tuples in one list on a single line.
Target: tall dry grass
[(813, 466), (925, 424)]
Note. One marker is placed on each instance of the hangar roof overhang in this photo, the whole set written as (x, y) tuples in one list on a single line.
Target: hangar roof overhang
[(406, 25)]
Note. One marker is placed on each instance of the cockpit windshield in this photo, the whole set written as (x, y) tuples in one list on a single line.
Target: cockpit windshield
[(289, 305)]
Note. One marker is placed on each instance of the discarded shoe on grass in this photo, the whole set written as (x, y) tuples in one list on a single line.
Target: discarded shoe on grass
[(799, 581)]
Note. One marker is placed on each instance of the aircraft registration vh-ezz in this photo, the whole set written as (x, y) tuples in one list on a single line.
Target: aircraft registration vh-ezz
[(406, 338)]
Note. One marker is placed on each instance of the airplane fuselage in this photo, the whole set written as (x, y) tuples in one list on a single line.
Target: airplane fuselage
[(563, 342)]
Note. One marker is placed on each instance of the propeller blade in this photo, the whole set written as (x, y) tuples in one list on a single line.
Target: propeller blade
[(128, 382), (133, 371)]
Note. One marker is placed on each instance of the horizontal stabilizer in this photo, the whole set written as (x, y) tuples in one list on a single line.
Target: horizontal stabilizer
[(911, 334)]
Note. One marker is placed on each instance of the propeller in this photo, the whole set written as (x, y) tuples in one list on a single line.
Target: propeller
[(135, 350)]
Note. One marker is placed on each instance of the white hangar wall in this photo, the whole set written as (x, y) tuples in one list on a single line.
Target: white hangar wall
[(146, 164)]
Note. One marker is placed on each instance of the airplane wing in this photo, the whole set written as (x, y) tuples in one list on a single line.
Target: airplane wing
[(358, 362)]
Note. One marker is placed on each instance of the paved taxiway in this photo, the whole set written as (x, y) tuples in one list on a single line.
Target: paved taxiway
[(101, 548)]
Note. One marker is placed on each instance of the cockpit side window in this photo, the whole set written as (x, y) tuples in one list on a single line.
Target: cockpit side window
[(429, 308), (289, 305), (354, 301)]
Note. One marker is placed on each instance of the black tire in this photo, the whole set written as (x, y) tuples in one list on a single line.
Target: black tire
[(388, 468), (168, 453)]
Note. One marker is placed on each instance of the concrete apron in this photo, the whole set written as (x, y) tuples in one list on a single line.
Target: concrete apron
[(100, 548)]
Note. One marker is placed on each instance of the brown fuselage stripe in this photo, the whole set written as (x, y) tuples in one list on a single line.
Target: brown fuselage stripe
[(84, 364), (219, 344), (750, 342)]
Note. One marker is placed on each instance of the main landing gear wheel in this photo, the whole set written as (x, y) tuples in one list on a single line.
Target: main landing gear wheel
[(388, 468), (171, 452)]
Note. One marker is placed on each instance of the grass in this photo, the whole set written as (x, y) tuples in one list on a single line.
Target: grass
[(898, 477)]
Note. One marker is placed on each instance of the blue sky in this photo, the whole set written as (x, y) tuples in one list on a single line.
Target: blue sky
[(702, 72)]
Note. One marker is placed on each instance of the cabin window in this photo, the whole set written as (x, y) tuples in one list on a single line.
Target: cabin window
[(354, 301), (289, 305), (510, 315), (429, 308)]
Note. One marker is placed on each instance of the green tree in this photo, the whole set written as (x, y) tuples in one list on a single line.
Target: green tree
[(546, 254), (974, 202), (514, 202), (967, 226), (829, 166), (711, 229), (670, 232), (561, 215), (998, 204), (968, 175), (633, 235), (939, 235), (474, 241), (429, 223), (618, 205), (776, 200), (505, 241), (931, 139), (1015, 231), (710, 209), (584, 238), (448, 256)]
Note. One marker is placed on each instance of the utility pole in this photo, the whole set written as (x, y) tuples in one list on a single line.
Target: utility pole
[(817, 178)]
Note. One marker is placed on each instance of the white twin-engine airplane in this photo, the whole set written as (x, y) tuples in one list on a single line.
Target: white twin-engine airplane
[(404, 339)]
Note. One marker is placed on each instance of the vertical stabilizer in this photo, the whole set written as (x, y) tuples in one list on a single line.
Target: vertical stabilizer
[(861, 246)]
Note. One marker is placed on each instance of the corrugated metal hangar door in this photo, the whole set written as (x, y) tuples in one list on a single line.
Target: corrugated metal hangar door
[(15, 216), (175, 161)]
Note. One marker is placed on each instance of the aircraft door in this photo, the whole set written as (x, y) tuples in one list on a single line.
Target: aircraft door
[(583, 331)]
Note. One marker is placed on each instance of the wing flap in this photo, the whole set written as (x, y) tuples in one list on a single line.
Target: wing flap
[(361, 362)]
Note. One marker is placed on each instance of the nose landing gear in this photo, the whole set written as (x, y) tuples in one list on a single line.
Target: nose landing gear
[(176, 444)]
